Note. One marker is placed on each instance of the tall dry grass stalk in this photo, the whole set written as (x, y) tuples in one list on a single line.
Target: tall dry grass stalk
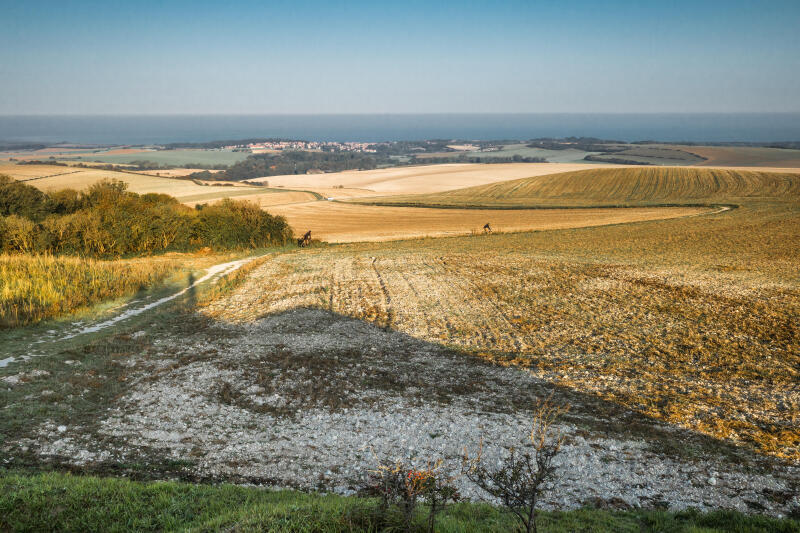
[(36, 287)]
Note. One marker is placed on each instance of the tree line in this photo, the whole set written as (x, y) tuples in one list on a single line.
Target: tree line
[(107, 220), (292, 162)]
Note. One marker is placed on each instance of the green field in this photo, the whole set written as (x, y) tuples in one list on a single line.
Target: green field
[(172, 157), (653, 155), (510, 150)]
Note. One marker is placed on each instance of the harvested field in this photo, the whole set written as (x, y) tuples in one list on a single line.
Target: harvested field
[(653, 155), (424, 179), (310, 398), (24, 172), (745, 156), (649, 315), (703, 341), (342, 222), (620, 186)]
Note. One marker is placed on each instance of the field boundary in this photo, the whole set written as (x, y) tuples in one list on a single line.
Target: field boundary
[(48, 176), (508, 207)]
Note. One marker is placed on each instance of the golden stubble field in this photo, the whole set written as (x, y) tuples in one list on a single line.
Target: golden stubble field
[(341, 222), (692, 321), (619, 186), (425, 178), (707, 343)]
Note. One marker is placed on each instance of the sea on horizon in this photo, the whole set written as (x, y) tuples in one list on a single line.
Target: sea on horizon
[(162, 129)]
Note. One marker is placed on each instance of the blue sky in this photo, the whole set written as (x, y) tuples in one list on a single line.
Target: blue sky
[(403, 57)]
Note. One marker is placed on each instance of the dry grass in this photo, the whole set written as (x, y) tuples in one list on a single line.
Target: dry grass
[(34, 288)]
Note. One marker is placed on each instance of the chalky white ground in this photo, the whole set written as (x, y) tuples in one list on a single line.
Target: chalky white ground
[(309, 399)]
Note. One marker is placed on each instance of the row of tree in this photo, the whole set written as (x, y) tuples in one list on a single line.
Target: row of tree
[(106, 220)]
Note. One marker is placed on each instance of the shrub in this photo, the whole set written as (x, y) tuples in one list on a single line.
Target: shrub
[(17, 198), (521, 478), (108, 221), (232, 223), (17, 233), (400, 487)]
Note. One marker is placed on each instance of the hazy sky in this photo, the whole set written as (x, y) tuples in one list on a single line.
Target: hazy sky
[(380, 57)]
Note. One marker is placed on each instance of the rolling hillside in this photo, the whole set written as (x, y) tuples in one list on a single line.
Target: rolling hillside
[(620, 186)]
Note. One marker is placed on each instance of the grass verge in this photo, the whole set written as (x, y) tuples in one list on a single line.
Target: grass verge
[(63, 502)]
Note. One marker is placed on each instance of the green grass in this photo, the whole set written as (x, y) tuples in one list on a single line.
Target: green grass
[(63, 502)]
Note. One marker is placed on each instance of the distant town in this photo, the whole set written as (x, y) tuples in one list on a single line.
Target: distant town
[(276, 146)]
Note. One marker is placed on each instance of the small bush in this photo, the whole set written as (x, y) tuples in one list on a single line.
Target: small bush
[(523, 476), (400, 488)]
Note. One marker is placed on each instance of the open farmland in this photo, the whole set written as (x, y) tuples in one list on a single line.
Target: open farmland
[(567, 155), (675, 342), (692, 321), (745, 156), (343, 222), (619, 187), (423, 179), (650, 155)]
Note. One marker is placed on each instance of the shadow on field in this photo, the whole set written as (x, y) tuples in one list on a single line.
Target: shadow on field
[(241, 400)]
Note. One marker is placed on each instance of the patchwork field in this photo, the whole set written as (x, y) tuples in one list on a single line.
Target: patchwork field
[(424, 179), (51, 178)]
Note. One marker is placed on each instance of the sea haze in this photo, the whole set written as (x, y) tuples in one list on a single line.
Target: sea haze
[(157, 129)]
